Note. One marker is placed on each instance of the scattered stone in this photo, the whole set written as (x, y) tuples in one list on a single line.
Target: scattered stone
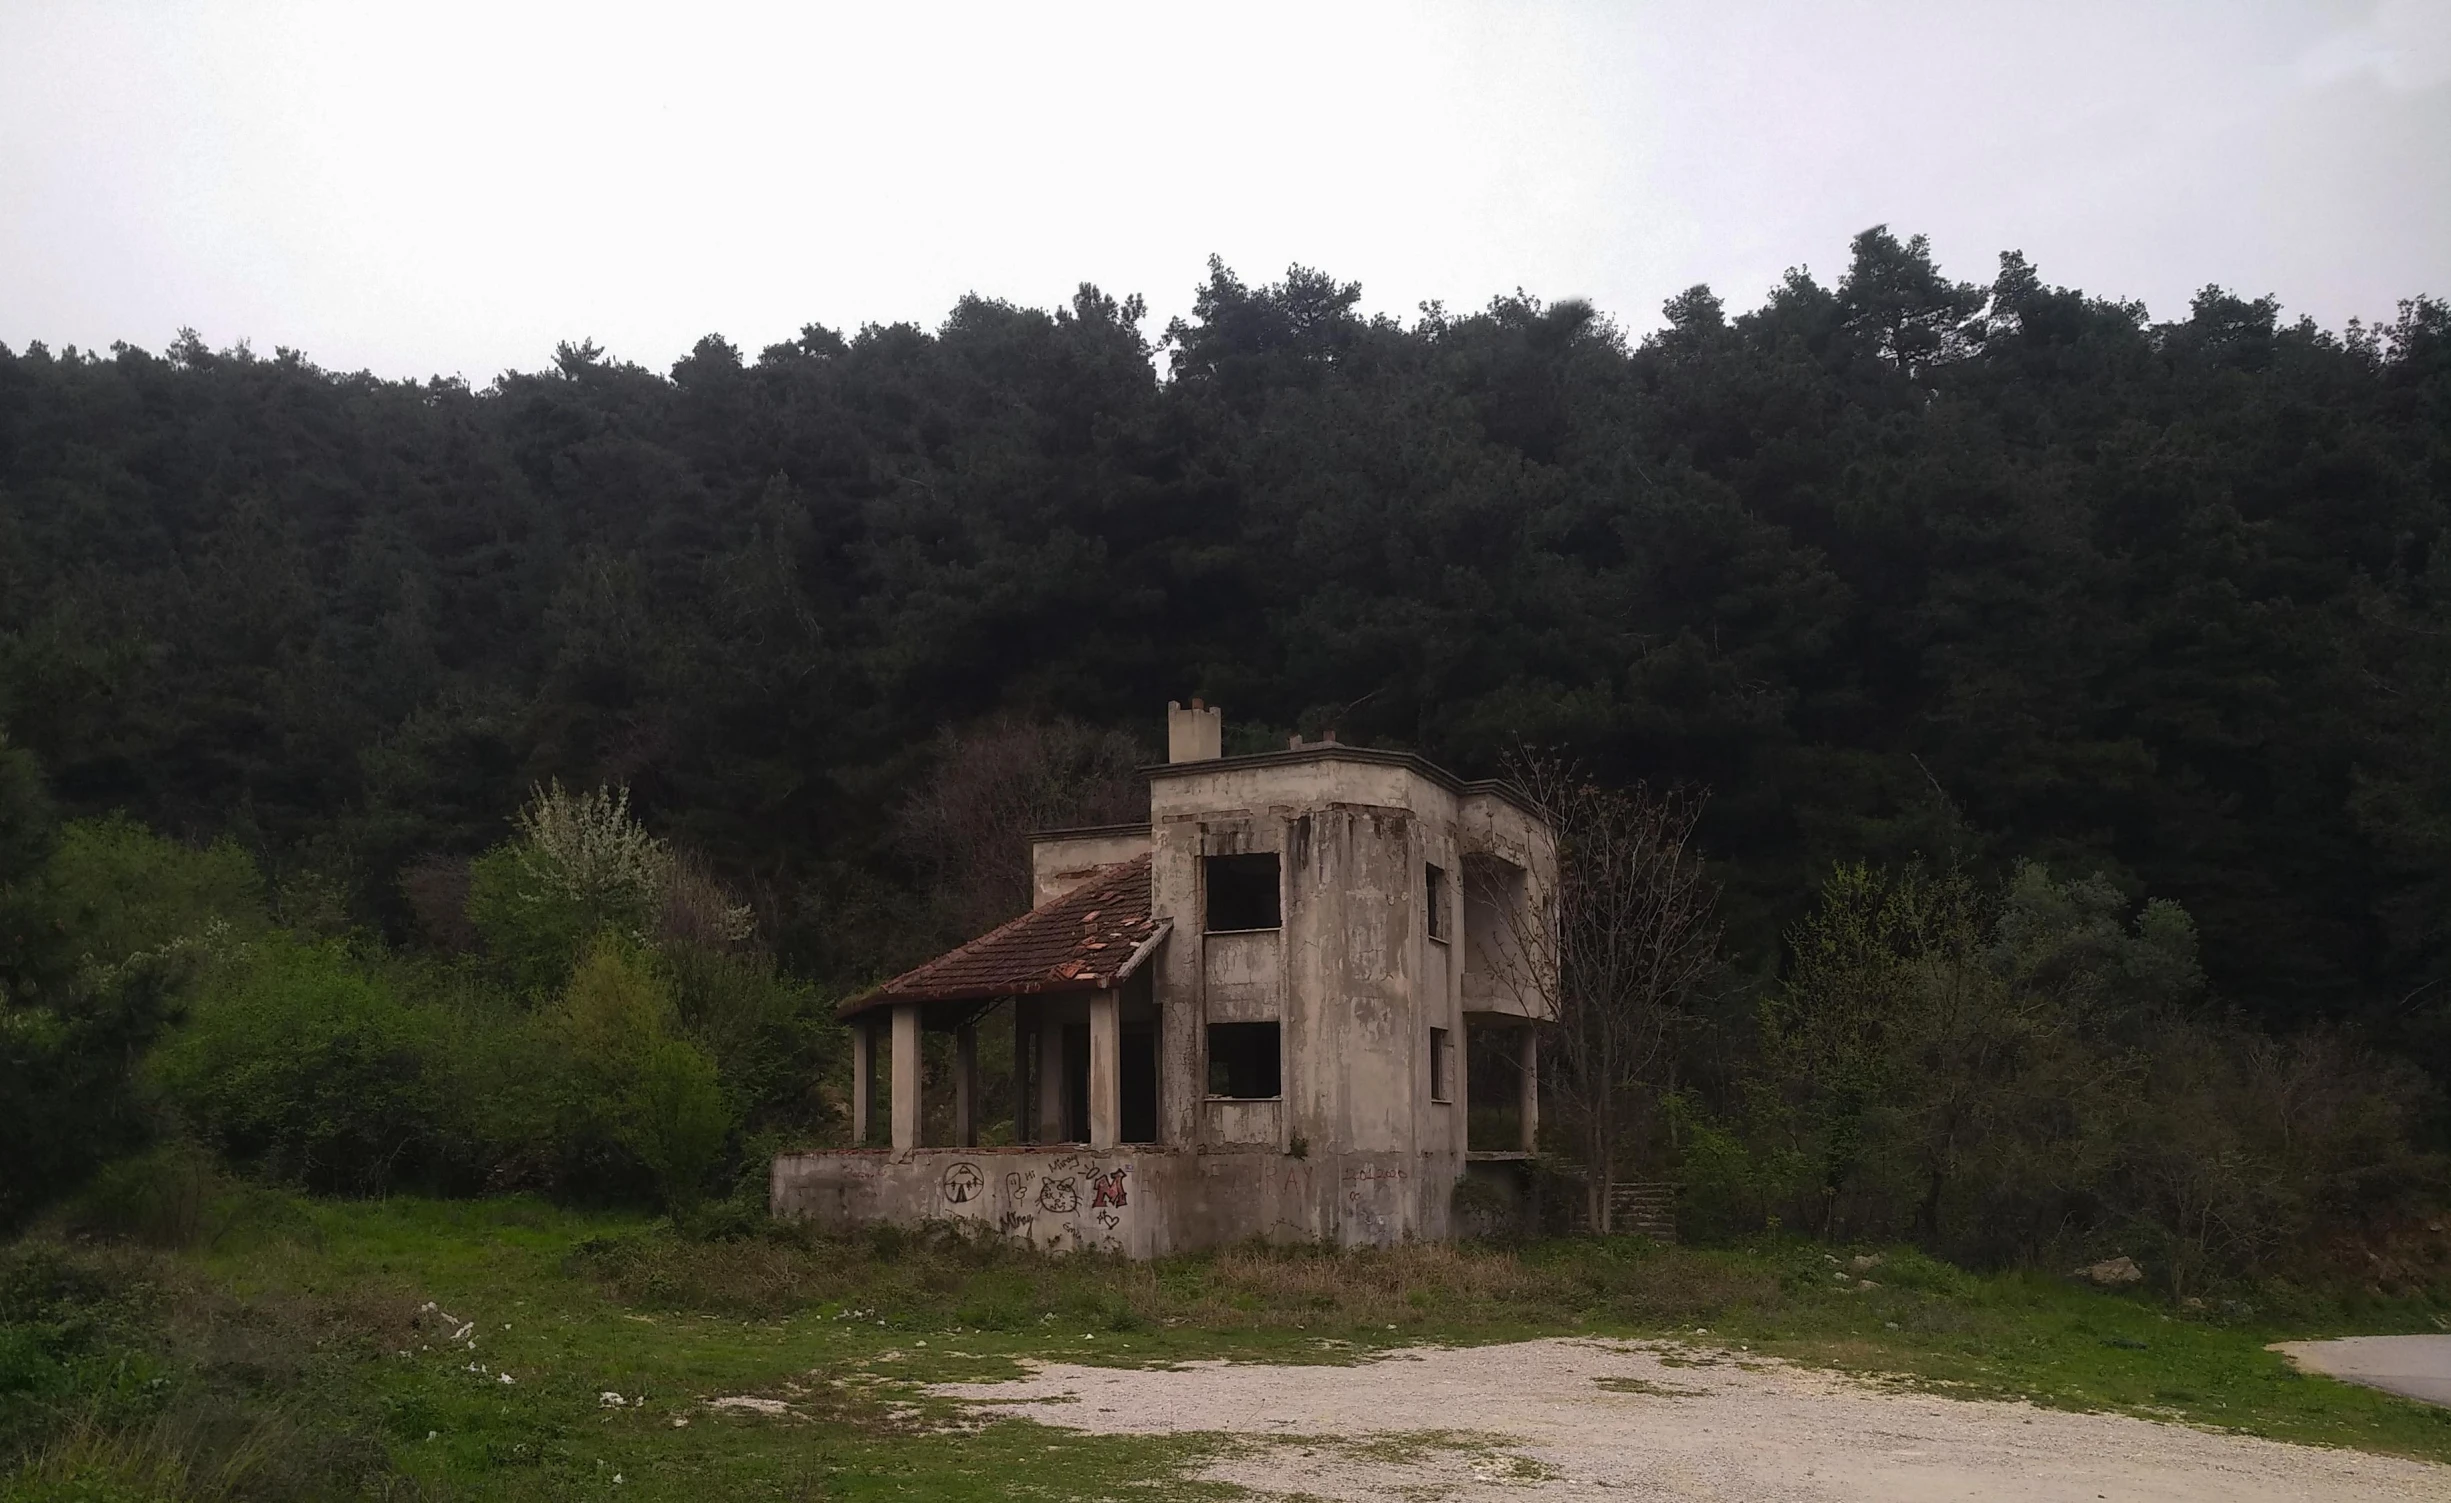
[(753, 1405), (2111, 1273), (1866, 1262)]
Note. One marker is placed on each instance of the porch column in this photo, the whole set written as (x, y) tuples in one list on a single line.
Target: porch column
[(863, 1079), (1050, 1077), (906, 1077), (1105, 1069), (1021, 1077), (1529, 1082), (966, 1086)]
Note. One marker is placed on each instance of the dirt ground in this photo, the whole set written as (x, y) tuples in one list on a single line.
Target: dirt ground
[(1624, 1420)]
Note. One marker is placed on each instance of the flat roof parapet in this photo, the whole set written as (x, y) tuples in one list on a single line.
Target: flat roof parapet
[(1337, 751)]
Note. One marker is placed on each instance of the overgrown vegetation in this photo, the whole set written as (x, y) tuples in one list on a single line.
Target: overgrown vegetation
[(2069, 692), (318, 1349), (618, 1033), (1895, 564), (2034, 1075)]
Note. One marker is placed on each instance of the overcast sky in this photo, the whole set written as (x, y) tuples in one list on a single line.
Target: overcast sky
[(453, 188)]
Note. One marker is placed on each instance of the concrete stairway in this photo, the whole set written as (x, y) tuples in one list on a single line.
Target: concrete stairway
[(1648, 1207)]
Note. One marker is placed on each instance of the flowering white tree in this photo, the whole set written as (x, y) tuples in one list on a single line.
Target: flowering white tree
[(582, 864), (584, 848)]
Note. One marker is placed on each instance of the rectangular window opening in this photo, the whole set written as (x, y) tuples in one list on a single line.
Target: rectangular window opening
[(1438, 901), (1440, 1070), (1242, 1061), (1242, 893)]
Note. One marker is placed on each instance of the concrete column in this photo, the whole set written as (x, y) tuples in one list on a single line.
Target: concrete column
[(1531, 1088), (1021, 1076), (906, 1077), (1050, 1077), (1105, 1069), (966, 1086), (863, 1079)]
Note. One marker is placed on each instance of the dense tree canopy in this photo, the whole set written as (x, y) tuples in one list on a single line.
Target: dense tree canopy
[(1896, 565)]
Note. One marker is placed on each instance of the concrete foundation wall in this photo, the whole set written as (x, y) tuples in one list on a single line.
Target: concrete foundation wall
[(1134, 1202)]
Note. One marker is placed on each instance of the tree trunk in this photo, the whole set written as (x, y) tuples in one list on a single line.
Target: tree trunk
[(1600, 1156)]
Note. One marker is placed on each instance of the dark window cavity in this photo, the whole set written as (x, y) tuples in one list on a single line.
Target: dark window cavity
[(1438, 900), (1242, 893), (1242, 1061), (1440, 1070)]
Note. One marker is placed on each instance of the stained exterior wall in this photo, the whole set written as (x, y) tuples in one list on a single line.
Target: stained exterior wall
[(1136, 1202), (1062, 860), (1356, 1149)]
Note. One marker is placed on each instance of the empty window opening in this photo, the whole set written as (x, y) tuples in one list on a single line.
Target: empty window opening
[(1438, 900), (1242, 893), (1138, 1085), (1242, 1061), (1076, 1082), (1442, 1073)]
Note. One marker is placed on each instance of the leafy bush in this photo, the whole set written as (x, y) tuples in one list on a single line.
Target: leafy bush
[(303, 1061), (124, 892), (579, 866), (637, 1082), (160, 1197), (129, 925), (2035, 1077)]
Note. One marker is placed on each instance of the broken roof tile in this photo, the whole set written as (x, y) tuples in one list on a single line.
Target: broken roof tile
[(1083, 941)]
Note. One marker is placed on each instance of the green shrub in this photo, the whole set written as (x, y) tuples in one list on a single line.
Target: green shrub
[(302, 1061), (635, 1081), (123, 891), (160, 1197)]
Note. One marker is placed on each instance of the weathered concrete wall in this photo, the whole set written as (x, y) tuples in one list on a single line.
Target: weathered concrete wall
[(1138, 1203), (1509, 861), (1062, 860), (1358, 1149), (1351, 962)]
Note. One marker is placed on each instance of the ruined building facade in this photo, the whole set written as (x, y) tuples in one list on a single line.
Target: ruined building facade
[(1263, 1013)]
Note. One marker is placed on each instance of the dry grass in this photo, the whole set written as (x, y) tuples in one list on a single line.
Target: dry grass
[(942, 1277), (157, 1383)]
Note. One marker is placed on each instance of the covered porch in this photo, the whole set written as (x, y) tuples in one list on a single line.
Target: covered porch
[(1070, 982)]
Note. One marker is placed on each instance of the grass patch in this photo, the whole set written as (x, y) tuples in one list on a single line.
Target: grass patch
[(312, 1357)]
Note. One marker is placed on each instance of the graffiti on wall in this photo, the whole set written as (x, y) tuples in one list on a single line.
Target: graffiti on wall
[(962, 1183)]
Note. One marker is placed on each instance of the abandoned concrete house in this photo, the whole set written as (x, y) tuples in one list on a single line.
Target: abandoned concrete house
[(1268, 1012)]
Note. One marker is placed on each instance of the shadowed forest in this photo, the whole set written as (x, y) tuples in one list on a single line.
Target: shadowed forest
[(2032, 652)]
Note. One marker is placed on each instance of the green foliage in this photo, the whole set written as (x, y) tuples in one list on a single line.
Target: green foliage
[(582, 866), (127, 925), (161, 1197), (2035, 1078), (30, 941), (636, 1082), (128, 894), (303, 1061), (1894, 563)]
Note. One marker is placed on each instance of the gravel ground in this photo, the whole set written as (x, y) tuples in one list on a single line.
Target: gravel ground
[(1623, 1420)]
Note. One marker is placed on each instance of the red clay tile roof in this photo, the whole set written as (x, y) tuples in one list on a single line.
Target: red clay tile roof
[(1082, 941)]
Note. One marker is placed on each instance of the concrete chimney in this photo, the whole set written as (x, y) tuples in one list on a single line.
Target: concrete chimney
[(1194, 735)]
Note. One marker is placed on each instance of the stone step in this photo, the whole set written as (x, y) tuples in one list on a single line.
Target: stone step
[(1647, 1207)]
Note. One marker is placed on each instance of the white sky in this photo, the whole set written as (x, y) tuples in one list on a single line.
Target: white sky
[(456, 187)]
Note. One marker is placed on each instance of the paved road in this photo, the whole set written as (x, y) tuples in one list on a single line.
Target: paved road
[(2414, 1367)]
